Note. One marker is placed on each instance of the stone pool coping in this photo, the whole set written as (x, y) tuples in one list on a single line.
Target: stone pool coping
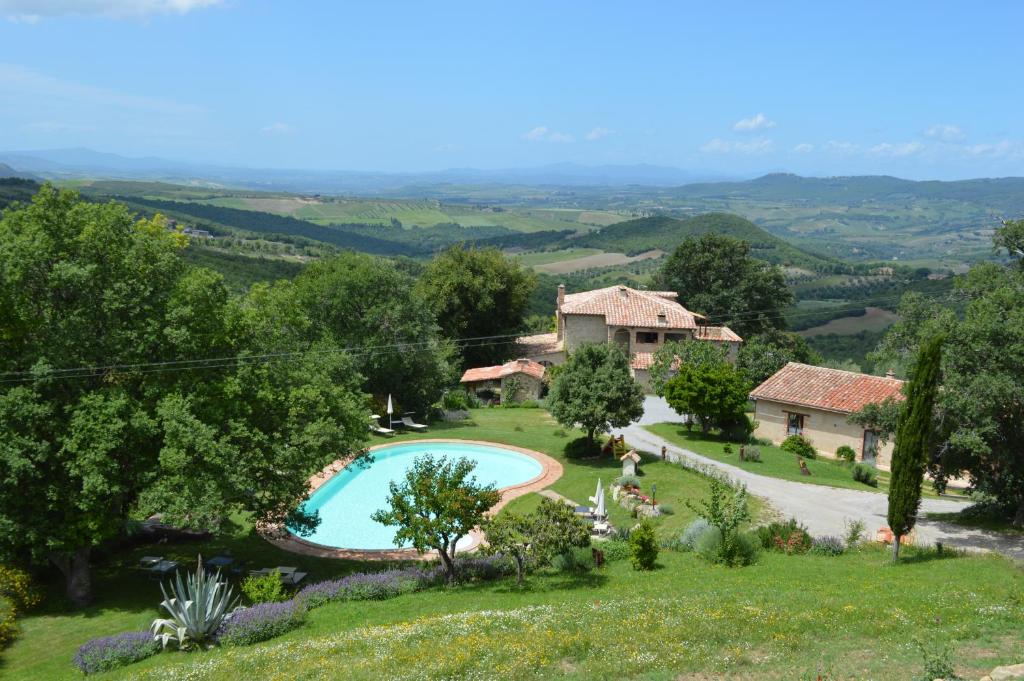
[(276, 534)]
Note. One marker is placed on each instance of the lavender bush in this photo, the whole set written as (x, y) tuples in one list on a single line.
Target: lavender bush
[(483, 568), (260, 622), (111, 652), (366, 586), (828, 546)]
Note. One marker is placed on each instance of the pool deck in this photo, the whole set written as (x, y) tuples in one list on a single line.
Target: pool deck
[(278, 536)]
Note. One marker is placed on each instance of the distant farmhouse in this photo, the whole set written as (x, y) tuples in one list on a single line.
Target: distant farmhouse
[(524, 376), (172, 226), (640, 322), (800, 399)]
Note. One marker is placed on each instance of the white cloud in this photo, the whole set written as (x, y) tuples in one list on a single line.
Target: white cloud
[(33, 10), (544, 134), (28, 83), (598, 132), (803, 148), (720, 146), (898, 150), (842, 147), (756, 122), (277, 129), (1000, 149), (945, 132)]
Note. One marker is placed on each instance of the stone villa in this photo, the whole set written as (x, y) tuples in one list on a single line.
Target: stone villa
[(639, 321)]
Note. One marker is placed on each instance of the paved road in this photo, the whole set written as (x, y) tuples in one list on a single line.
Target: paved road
[(824, 510)]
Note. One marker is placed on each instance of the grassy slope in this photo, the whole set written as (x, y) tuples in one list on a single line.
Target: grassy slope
[(788, 617), (665, 233), (127, 600)]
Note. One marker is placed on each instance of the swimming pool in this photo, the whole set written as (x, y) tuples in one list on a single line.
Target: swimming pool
[(347, 500)]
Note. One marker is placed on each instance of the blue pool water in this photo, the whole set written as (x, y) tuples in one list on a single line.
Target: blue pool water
[(347, 500)]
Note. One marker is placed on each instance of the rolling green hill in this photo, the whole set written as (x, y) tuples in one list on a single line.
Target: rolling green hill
[(665, 233)]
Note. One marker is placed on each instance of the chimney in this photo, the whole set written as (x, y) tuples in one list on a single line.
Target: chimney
[(523, 362), (890, 374), (561, 294), (623, 292)]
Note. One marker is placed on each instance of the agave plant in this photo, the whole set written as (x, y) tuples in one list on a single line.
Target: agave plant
[(196, 607)]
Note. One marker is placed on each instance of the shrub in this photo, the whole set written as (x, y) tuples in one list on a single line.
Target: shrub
[(456, 400), (196, 608), (708, 544), (727, 448), (854, 533), (364, 586), (8, 625), (864, 473), (846, 453), (827, 546), (483, 568), (752, 453), (580, 449), (614, 550), (643, 547), (260, 622), (111, 652), (622, 533), (560, 432), (789, 537), (627, 481), (799, 445), (16, 587), (726, 509), (938, 663), (264, 589), (575, 560), (666, 509), (692, 534), (738, 429)]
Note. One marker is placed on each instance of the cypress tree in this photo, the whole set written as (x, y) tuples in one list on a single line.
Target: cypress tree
[(913, 437)]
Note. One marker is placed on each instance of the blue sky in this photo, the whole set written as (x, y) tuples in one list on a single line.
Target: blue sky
[(916, 89)]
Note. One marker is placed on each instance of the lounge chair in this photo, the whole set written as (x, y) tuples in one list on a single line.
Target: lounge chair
[(602, 528), (164, 568), (378, 429), (412, 425)]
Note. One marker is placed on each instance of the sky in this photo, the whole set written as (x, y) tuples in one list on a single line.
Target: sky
[(925, 90)]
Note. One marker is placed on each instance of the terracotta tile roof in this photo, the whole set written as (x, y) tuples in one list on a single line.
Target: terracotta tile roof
[(540, 344), (828, 389), (644, 360), (624, 306), (516, 366), (717, 333)]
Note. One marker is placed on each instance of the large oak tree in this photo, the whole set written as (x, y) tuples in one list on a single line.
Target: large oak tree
[(131, 383)]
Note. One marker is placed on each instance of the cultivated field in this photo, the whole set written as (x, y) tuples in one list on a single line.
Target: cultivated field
[(596, 260), (875, 319)]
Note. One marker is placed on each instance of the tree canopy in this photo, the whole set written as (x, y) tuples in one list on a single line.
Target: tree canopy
[(716, 394), (596, 390), (672, 354), (438, 503), (979, 412), (762, 355), (914, 438), (134, 384), (716, 276), (478, 293), (538, 536), (364, 302)]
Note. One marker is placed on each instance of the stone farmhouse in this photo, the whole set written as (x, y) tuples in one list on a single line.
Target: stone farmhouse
[(800, 399), (526, 376), (638, 321)]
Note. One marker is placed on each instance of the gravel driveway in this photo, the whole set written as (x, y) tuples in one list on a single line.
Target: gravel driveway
[(824, 510)]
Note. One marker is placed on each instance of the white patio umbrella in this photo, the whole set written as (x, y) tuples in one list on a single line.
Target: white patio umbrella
[(600, 511), (391, 421), (597, 492)]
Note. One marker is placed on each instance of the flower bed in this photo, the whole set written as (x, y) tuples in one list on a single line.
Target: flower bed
[(111, 652), (260, 622)]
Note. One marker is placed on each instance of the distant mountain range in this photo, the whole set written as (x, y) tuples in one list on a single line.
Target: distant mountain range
[(68, 163)]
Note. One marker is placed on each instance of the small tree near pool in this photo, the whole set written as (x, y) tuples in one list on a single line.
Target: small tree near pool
[(437, 504), (595, 390), (535, 538)]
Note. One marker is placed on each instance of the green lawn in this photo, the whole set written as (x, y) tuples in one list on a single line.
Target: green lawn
[(775, 462), (788, 617), (126, 599)]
